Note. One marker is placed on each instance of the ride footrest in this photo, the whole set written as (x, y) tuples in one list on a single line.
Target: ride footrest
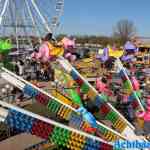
[(112, 116), (85, 88), (109, 136), (75, 121), (41, 129), (29, 90), (19, 121), (64, 112), (60, 136), (43, 99), (53, 106), (120, 125), (75, 141)]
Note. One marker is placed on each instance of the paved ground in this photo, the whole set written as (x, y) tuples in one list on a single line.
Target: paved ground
[(19, 142)]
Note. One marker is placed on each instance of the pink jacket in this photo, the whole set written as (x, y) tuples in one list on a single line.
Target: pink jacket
[(144, 115), (102, 87), (67, 43), (135, 83), (43, 53), (125, 98)]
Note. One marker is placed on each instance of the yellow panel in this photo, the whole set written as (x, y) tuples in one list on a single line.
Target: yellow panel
[(61, 97), (115, 53)]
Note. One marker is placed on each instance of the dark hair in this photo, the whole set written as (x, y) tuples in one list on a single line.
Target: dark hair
[(127, 65), (48, 37), (104, 80), (21, 62), (36, 50)]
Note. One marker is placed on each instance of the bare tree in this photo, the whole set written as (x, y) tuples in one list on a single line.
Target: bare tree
[(124, 30)]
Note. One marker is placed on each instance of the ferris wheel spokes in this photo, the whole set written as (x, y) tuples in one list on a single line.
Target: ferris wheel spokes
[(3, 10), (33, 21), (41, 16)]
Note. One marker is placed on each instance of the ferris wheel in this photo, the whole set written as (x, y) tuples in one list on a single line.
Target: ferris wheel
[(25, 19)]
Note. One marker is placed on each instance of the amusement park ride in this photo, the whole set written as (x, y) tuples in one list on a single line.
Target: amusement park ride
[(81, 130), (28, 19)]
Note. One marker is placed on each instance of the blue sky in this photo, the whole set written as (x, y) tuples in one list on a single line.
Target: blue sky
[(99, 16)]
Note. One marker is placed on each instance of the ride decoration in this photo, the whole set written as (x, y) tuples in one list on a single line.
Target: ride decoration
[(110, 52), (87, 116), (23, 122), (68, 43), (72, 93), (76, 120), (130, 49), (126, 54), (69, 46), (116, 53), (93, 96), (63, 111), (48, 50), (5, 46), (88, 123), (130, 87)]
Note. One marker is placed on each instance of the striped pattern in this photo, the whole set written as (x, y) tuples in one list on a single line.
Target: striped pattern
[(59, 136), (74, 119), (128, 87), (104, 110), (100, 102)]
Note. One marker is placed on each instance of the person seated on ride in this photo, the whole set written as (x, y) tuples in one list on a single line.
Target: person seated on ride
[(102, 86), (43, 52), (48, 50)]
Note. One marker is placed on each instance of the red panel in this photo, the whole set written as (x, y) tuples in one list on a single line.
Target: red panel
[(43, 99), (135, 104), (79, 81), (104, 146), (104, 109), (42, 129)]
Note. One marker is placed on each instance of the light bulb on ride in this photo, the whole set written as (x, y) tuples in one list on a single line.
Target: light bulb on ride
[(7, 86), (11, 88), (3, 90)]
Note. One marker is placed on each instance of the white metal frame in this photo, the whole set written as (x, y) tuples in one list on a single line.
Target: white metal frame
[(20, 85), (49, 121)]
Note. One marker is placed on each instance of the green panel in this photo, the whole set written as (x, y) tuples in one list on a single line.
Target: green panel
[(84, 88)]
